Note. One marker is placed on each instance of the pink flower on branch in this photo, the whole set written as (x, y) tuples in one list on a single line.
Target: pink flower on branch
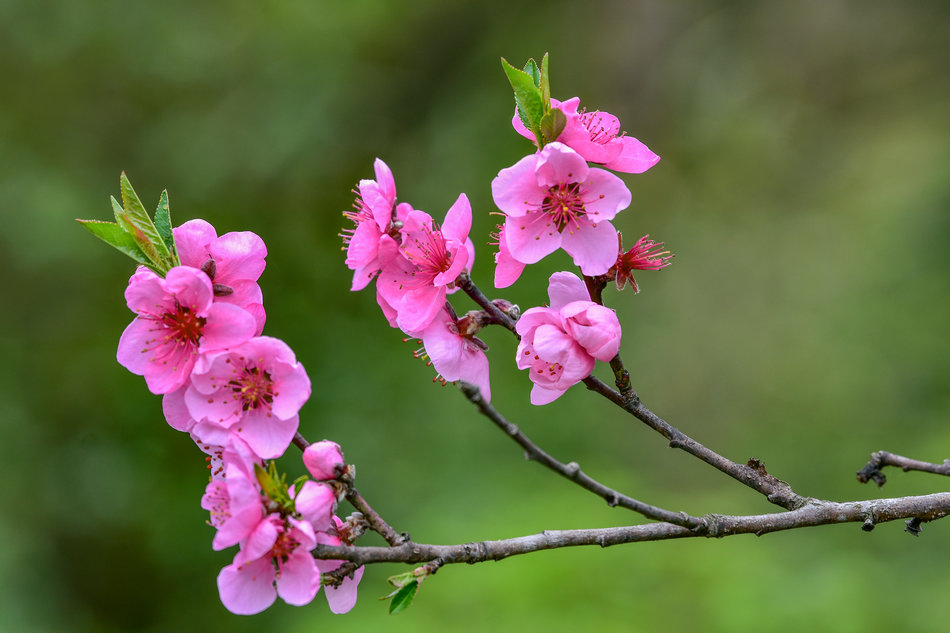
[(234, 498), (234, 262), (177, 319), (415, 282), (274, 560), (597, 137), (377, 221), (254, 391), (324, 460), (553, 200), (342, 598), (455, 352), (560, 344), (644, 255)]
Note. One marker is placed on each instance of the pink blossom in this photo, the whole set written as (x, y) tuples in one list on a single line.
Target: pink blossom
[(234, 262), (274, 560), (559, 344), (316, 503), (644, 255), (376, 225), (455, 352), (254, 390), (234, 499), (324, 460), (553, 200), (177, 319), (416, 282), (596, 136), (507, 268), (343, 598)]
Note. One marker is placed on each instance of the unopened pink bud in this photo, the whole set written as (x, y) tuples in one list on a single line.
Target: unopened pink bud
[(324, 460)]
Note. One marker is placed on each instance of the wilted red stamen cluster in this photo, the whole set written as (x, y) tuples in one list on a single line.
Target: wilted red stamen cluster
[(644, 255)]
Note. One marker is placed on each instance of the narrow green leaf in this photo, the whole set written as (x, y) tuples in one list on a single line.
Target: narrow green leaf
[(267, 481), (544, 83), (403, 598), (527, 98), (116, 236), (531, 68), (552, 124), (137, 216), (400, 580), (163, 223)]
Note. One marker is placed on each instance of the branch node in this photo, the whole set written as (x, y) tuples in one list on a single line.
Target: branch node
[(913, 526), (868, 524), (613, 500), (573, 469)]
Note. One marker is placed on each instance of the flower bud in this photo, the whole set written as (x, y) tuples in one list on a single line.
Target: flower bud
[(324, 460)]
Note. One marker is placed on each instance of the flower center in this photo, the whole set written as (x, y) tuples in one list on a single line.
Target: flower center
[(599, 133), (185, 326), (563, 203), (429, 252), (254, 388)]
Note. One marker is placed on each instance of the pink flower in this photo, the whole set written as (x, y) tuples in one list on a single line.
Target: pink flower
[(234, 500), (177, 319), (455, 352), (254, 390), (507, 268), (376, 225), (343, 598), (596, 136), (415, 283), (316, 503), (324, 460), (274, 560), (234, 262), (559, 344), (644, 255), (553, 200)]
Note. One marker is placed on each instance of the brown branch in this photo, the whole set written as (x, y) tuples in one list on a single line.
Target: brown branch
[(815, 513), (375, 522), (464, 281), (572, 471), (752, 474), (880, 459)]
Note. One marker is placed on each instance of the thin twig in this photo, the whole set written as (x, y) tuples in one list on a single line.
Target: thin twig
[(922, 508), (572, 471), (464, 281), (880, 459), (752, 474)]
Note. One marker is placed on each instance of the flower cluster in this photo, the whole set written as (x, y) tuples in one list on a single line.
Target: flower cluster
[(416, 263), (551, 199), (197, 340)]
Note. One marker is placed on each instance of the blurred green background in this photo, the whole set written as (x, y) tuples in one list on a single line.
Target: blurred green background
[(804, 187)]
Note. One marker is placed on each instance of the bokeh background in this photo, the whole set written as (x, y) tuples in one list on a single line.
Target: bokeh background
[(804, 187)]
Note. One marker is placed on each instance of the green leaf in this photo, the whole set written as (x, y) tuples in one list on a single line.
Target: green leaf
[(552, 124), (400, 580), (527, 98), (114, 235), (544, 83), (163, 223), (135, 214), (532, 69), (267, 480), (403, 597)]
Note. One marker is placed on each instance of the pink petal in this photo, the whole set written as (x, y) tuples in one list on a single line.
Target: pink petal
[(458, 219), (565, 287), (260, 541), (557, 164), (418, 307), (515, 189), (343, 598), (227, 326), (249, 588), (316, 503), (192, 240), (532, 237), (605, 195), (592, 246), (541, 396), (299, 579), (634, 158), (176, 413), (238, 255), (267, 435)]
